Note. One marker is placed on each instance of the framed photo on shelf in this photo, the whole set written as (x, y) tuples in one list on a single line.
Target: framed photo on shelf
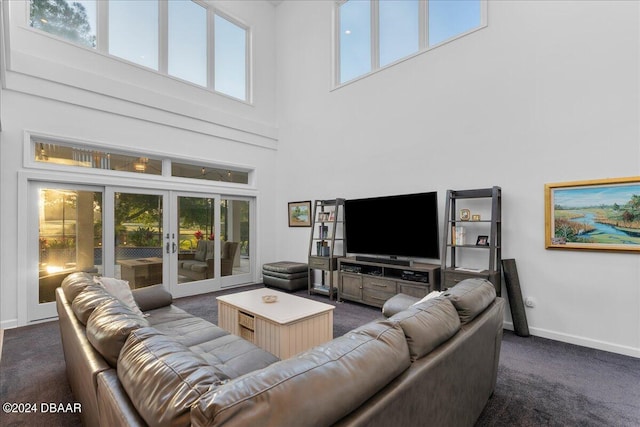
[(593, 215), (465, 214), (300, 214), (482, 241)]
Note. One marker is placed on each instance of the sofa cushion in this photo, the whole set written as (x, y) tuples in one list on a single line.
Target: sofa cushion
[(75, 283), (285, 267), (194, 265), (185, 328), (88, 299), (201, 251), (233, 355), (200, 267), (398, 303), (121, 290), (163, 378), (152, 297), (471, 297), (427, 325), (109, 326), (322, 384)]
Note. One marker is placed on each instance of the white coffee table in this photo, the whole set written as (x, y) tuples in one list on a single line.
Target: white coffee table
[(286, 327)]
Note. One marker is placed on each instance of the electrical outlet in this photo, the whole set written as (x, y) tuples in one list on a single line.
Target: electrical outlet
[(530, 302)]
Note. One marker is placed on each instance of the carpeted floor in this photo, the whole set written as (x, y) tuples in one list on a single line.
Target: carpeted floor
[(540, 382)]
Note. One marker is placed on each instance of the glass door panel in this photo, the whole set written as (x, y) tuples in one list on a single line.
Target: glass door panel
[(137, 233), (235, 239), (70, 236), (196, 236)]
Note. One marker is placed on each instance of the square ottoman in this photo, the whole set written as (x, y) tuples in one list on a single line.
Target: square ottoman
[(286, 275)]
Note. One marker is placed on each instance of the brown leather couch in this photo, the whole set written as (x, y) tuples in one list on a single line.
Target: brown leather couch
[(432, 363)]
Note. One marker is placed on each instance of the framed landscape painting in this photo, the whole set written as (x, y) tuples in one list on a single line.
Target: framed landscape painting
[(593, 215), (300, 214)]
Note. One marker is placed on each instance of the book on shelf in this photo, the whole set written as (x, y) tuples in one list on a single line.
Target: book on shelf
[(323, 249), (323, 231), (458, 234), (470, 270)]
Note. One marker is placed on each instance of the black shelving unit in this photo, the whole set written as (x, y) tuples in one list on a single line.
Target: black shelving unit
[(451, 271), (326, 245)]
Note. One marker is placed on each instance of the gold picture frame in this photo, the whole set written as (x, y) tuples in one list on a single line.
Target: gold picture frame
[(601, 214)]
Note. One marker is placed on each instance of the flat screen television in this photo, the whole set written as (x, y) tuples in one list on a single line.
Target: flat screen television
[(403, 225)]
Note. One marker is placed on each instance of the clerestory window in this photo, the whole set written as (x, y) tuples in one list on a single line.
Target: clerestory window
[(373, 34), (175, 38)]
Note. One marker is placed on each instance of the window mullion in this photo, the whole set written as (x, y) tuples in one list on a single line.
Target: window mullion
[(211, 69), (248, 66), (102, 26), (163, 37), (423, 20), (336, 44), (375, 35)]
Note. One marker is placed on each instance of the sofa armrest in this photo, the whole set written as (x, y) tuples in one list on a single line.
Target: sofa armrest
[(398, 303), (115, 407), (210, 268), (152, 297)]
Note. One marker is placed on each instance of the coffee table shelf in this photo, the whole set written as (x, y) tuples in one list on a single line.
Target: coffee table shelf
[(286, 327)]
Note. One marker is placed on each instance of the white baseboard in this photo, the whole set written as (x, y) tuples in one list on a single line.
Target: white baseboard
[(581, 341), (9, 324)]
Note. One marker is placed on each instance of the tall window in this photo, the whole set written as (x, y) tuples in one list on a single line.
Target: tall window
[(355, 39), (399, 32), (133, 31), (376, 33), (188, 41), (180, 48), (74, 21), (447, 19), (230, 58)]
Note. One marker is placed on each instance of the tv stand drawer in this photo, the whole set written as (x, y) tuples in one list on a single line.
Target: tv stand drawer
[(377, 291)]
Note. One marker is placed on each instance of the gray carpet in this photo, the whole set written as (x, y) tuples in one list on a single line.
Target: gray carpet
[(540, 382)]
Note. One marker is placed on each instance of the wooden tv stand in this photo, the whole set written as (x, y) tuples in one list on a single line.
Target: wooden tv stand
[(373, 283)]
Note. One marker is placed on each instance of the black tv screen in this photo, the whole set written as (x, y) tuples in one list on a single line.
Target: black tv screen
[(404, 225)]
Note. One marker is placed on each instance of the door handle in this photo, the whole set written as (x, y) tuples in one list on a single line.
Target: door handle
[(168, 247), (174, 247)]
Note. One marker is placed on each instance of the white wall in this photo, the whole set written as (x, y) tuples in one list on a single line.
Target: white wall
[(548, 92), (55, 88)]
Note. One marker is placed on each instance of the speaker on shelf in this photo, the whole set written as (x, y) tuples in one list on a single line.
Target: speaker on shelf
[(393, 261)]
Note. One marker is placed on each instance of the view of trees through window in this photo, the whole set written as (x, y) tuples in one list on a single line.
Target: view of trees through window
[(75, 21), (134, 34)]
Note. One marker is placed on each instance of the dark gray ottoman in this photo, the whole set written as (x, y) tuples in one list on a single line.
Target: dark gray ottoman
[(286, 275)]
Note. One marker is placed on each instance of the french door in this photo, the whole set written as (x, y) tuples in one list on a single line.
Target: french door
[(190, 242)]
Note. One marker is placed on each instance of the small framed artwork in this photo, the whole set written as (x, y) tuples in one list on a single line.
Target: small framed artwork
[(465, 214), (475, 217), (300, 214), (593, 215), (482, 241)]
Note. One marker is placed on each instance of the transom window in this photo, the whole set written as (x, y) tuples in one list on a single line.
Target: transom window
[(171, 37), (51, 152), (373, 34)]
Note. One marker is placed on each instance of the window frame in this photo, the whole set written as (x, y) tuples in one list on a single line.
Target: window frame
[(102, 44), (423, 42)]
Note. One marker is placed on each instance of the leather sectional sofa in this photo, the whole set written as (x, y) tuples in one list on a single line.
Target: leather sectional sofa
[(432, 363)]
